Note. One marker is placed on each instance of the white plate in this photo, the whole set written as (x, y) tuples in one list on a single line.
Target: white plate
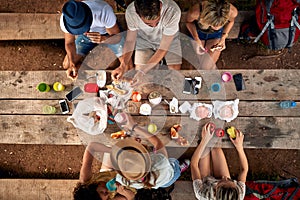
[(145, 109)]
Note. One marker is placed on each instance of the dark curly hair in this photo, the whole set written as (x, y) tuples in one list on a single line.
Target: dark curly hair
[(148, 9), (84, 192)]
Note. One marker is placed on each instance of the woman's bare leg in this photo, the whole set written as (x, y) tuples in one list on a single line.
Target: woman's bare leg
[(205, 164), (219, 163), (214, 54)]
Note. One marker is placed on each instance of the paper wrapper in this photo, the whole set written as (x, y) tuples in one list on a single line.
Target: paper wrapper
[(193, 110), (226, 110)]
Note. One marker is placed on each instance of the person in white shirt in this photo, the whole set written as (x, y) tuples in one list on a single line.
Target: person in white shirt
[(85, 25), (153, 32)]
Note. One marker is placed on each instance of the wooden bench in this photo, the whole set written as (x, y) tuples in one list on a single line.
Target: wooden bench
[(41, 26), (265, 124), (34, 189)]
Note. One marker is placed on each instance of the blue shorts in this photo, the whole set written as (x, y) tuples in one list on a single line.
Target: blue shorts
[(84, 46), (208, 36), (175, 164)]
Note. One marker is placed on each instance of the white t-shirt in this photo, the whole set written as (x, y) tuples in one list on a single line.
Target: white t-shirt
[(103, 16), (160, 165), (168, 23)]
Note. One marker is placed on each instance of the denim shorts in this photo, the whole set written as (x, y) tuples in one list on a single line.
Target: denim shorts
[(177, 172), (208, 36), (84, 46)]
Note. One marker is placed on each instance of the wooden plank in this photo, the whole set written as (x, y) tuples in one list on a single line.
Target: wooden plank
[(267, 85), (183, 190), (246, 108), (29, 26), (34, 189), (35, 26), (261, 132)]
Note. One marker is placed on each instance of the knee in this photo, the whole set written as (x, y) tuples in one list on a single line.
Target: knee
[(175, 67)]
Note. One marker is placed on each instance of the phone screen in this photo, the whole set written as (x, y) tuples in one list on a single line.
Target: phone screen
[(239, 82), (187, 86), (73, 94), (64, 106)]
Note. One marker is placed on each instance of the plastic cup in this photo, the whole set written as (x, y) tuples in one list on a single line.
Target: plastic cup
[(215, 87), (226, 76), (111, 185), (43, 87), (49, 109), (57, 86)]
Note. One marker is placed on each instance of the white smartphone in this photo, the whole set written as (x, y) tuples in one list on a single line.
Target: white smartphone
[(187, 87), (73, 94), (64, 106)]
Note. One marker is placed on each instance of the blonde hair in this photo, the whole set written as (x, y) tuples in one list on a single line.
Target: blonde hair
[(215, 13), (227, 193)]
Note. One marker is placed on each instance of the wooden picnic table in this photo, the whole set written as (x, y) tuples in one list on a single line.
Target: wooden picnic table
[(264, 123)]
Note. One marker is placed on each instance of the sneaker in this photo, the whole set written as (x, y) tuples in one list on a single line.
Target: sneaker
[(184, 165)]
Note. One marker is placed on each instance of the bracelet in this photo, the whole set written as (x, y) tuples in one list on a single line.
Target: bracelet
[(226, 34)]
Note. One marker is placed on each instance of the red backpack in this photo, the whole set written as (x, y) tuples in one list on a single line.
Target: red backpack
[(288, 189), (278, 22)]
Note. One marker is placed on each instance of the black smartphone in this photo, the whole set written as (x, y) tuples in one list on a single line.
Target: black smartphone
[(73, 94), (187, 87), (239, 82), (64, 106)]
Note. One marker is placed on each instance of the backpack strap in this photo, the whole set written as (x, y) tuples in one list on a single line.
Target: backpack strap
[(292, 31), (270, 21), (291, 182)]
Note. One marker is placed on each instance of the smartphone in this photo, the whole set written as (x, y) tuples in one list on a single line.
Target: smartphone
[(187, 87), (239, 82), (73, 94), (64, 106)]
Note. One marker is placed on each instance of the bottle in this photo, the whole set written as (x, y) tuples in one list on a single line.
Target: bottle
[(287, 104), (111, 185)]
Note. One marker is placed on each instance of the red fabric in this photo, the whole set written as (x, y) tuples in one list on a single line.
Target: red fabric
[(265, 188), (282, 12)]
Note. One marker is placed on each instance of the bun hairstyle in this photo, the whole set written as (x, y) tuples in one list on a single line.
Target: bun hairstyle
[(215, 13)]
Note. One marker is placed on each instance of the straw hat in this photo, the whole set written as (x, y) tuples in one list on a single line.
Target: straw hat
[(131, 159)]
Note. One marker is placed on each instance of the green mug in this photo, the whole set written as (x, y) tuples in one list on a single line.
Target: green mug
[(43, 87)]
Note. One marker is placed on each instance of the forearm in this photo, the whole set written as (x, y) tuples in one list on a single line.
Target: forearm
[(227, 29), (155, 59), (153, 139), (196, 174), (129, 46), (193, 30), (71, 51), (243, 164)]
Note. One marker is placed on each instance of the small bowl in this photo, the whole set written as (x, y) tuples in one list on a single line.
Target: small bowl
[(215, 87), (226, 76), (145, 109), (155, 98)]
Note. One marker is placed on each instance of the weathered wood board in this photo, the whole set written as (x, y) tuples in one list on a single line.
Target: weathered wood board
[(246, 108), (261, 132), (29, 26), (35, 26), (37, 189), (266, 85)]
